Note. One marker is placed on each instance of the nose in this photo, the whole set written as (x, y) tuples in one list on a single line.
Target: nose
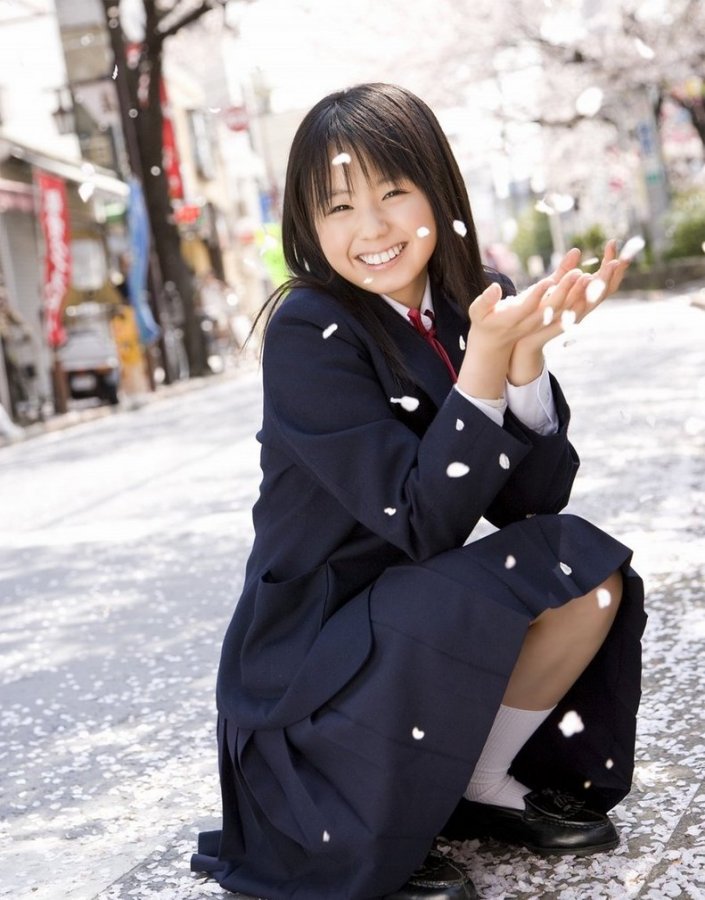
[(372, 222)]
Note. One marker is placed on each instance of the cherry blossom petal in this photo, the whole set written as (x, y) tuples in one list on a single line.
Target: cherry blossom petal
[(408, 403), (571, 724)]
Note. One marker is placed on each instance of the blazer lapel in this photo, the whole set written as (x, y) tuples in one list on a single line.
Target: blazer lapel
[(424, 365), (452, 327)]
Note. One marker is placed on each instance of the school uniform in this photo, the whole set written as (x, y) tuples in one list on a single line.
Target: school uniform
[(370, 649)]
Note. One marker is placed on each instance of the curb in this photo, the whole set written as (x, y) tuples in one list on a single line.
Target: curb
[(63, 421)]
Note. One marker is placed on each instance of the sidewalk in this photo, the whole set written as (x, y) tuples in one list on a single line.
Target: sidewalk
[(122, 573), (82, 413), (655, 503)]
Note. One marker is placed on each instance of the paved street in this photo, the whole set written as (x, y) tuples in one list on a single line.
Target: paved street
[(122, 545)]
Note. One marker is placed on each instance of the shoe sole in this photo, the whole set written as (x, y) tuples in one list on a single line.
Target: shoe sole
[(547, 851)]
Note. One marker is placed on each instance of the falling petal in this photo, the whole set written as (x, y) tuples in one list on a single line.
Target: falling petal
[(341, 159), (565, 568), (390, 510), (461, 342), (633, 246), (155, 170), (417, 734), (133, 113), (589, 262), (609, 763), (651, 421), (571, 724), (643, 49), (543, 207), (504, 460), (326, 837), (423, 232), (604, 598), (459, 424), (327, 332), (510, 562), (589, 102), (457, 470), (85, 191), (568, 318), (702, 246), (595, 290), (408, 403), (115, 71), (693, 426), (587, 784), (460, 227), (548, 315), (368, 280)]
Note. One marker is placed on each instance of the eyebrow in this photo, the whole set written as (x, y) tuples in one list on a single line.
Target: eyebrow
[(383, 180)]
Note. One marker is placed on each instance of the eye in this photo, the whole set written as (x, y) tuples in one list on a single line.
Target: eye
[(395, 192), (340, 207)]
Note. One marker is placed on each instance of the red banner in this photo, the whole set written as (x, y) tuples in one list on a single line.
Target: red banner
[(170, 150), (54, 221)]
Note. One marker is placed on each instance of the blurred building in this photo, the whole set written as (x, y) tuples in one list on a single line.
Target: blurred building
[(57, 210)]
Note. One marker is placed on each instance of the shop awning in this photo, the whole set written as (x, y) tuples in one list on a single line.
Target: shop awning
[(103, 180)]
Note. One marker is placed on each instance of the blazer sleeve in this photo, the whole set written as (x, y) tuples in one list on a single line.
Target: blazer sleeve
[(542, 481), (327, 405)]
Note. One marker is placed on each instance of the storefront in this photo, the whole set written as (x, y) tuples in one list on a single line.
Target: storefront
[(62, 234)]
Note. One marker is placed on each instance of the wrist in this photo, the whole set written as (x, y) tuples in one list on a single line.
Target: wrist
[(525, 365), (483, 372)]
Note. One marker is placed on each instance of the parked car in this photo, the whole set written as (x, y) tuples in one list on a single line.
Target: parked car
[(90, 355)]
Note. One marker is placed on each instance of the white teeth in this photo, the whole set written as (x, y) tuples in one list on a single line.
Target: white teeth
[(376, 259)]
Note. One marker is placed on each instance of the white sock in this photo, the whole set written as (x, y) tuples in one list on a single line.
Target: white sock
[(490, 782)]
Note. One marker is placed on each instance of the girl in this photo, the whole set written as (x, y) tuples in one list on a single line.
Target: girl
[(383, 681)]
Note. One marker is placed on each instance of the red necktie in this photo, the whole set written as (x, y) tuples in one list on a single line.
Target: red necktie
[(429, 335)]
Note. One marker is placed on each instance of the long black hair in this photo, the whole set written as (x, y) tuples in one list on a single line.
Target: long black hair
[(394, 132)]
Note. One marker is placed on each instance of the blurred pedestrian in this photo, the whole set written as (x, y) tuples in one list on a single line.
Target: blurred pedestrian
[(13, 331), (383, 681)]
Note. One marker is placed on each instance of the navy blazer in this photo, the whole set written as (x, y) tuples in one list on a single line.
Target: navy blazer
[(355, 480)]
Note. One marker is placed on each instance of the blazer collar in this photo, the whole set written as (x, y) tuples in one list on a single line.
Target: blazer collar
[(425, 368)]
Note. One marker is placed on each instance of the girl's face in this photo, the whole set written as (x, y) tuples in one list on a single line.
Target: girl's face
[(378, 234)]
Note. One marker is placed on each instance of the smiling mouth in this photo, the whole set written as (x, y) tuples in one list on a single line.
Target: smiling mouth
[(378, 259)]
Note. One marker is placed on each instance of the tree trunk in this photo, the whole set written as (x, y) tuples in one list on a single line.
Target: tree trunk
[(142, 119)]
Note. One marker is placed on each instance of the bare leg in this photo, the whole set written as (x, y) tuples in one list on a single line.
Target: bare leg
[(560, 645), (557, 649)]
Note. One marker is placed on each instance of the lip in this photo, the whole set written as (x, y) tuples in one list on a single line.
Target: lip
[(382, 265)]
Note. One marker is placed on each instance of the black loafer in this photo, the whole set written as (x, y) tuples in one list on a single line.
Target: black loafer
[(437, 879), (551, 824)]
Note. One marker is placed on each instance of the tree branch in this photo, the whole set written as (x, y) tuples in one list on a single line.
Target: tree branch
[(187, 19)]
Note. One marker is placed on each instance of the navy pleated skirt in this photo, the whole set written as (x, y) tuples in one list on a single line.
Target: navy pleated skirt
[(346, 802)]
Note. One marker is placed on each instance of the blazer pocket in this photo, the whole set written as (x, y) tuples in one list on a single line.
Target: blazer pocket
[(288, 616)]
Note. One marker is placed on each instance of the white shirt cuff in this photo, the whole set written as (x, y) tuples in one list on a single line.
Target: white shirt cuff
[(495, 409), (533, 404)]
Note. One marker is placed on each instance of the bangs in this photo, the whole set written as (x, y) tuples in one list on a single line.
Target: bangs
[(370, 139)]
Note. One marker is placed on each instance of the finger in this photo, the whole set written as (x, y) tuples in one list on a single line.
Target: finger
[(610, 251), (617, 274), (556, 294), (485, 301), (569, 261)]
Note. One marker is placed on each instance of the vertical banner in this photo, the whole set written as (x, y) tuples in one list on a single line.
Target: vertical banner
[(170, 151), (138, 227), (54, 222)]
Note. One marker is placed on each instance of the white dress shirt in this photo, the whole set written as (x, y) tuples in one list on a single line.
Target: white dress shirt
[(531, 403)]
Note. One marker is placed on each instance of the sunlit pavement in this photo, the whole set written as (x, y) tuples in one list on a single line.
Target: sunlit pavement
[(123, 543)]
